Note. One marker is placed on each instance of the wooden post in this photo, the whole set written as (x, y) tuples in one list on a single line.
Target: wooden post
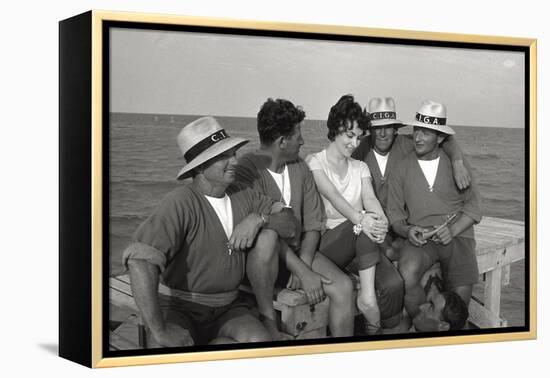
[(492, 290), (506, 275)]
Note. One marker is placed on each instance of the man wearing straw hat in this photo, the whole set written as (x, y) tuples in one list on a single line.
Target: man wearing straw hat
[(186, 260), (434, 216), (277, 171), (384, 148)]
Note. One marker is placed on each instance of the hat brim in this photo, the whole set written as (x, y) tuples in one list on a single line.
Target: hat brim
[(210, 153), (386, 122), (441, 128)]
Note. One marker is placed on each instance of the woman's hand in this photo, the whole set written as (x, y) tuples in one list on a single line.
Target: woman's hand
[(375, 226)]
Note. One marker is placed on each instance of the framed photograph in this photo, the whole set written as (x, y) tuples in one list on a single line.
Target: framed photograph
[(180, 239)]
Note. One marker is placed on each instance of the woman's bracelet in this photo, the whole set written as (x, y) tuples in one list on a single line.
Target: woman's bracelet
[(357, 228)]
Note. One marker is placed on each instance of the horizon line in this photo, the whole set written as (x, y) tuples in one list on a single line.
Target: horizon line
[(306, 119)]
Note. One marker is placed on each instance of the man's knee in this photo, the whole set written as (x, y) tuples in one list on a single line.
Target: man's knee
[(465, 292), (341, 287), (411, 269), (256, 336), (265, 248)]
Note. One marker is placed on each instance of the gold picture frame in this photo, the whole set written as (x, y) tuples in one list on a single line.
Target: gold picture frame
[(84, 192)]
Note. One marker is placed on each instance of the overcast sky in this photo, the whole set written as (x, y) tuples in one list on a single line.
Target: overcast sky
[(193, 73)]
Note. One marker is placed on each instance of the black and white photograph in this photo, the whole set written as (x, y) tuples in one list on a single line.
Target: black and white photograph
[(271, 188), (275, 188), (116, 112)]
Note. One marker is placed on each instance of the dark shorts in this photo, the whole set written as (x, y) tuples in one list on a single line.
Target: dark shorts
[(457, 259), (341, 246), (394, 243), (203, 322)]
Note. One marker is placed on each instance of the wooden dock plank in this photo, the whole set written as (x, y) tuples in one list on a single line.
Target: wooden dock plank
[(495, 233), (500, 258), (118, 342), (481, 317)]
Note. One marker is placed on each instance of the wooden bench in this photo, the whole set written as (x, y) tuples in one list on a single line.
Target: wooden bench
[(499, 243), (130, 333), (298, 320)]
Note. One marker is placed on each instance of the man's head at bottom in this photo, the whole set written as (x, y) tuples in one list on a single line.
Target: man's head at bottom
[(443, 310)]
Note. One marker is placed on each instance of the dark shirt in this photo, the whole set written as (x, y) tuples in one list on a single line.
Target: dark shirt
[(410, 198), (401, 147), (185, 238)]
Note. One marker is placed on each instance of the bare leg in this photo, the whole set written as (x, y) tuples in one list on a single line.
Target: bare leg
[(413, 262), (367, 301), (262, 268), (340, 293)]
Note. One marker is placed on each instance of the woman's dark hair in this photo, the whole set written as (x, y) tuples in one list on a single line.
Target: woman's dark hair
[(455, 311), (342, 115), (278, 118)]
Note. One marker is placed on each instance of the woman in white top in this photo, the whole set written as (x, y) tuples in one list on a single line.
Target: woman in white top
[(355, 220)]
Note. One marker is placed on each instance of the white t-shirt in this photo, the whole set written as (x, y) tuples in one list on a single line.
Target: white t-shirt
[(349, 186), (283, 182), (222, 207), (382, 161), (429, 167)]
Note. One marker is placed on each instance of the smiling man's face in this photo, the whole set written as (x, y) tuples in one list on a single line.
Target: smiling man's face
[(383, 138)]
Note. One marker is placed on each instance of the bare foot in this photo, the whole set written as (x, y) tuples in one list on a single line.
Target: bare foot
[(271, 326)]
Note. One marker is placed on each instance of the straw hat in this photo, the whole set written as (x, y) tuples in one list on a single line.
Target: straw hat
[(432, 115), (202, 140), (382, 112)]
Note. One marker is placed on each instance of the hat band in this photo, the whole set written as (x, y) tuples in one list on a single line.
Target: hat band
[(204, 144), (382, 115), (430, 120)]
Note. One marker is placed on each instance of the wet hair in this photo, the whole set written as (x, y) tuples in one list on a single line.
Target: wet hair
[(278, 118), (455, 311), (342, 114)]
